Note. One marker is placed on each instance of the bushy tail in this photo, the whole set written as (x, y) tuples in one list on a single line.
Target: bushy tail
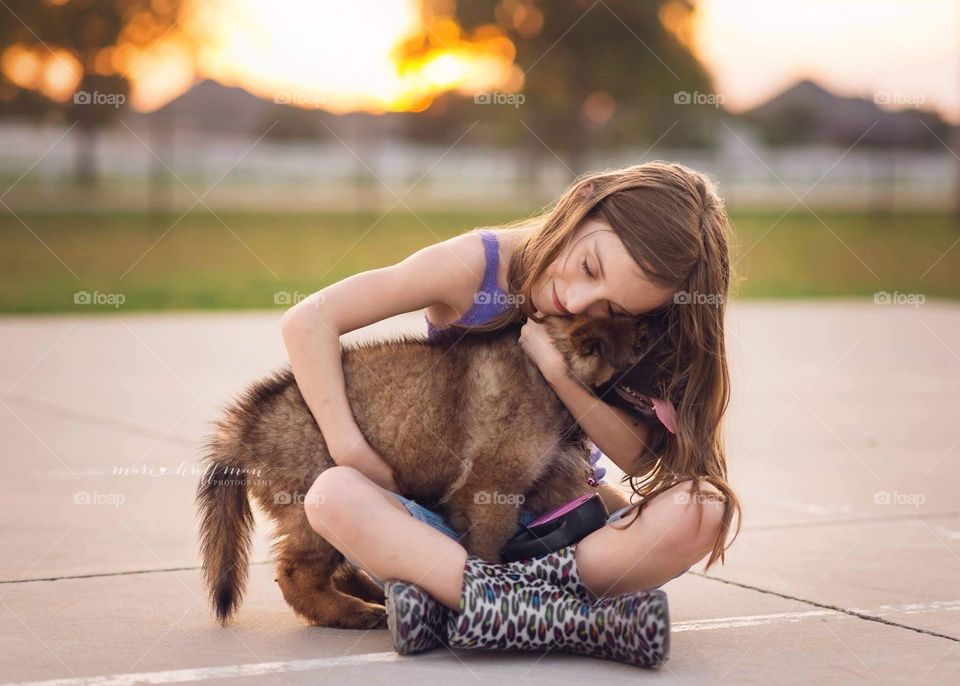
[(226, 529)]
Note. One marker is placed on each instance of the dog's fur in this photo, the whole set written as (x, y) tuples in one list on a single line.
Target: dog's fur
[(467, 423)]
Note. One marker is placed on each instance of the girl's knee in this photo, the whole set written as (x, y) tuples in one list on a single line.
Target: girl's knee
[(695, 520), (330, 495)]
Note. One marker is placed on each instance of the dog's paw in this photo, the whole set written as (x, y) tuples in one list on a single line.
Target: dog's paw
[(378, 618), (360, 616), (372, 616)]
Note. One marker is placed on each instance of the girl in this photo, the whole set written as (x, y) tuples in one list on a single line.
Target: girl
[(645, 238)]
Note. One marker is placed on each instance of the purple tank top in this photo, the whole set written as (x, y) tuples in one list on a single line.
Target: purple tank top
[(490, 300)]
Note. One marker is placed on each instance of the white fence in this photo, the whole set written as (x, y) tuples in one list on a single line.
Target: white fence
[(269, 174)]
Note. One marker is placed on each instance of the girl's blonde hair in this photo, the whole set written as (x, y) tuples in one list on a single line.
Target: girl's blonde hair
[(673, 223)]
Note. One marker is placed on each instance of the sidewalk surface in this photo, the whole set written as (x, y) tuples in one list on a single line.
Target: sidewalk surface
[(843, 443)]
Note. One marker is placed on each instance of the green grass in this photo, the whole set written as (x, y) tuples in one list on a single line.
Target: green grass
[(200, 263), (833, 254)]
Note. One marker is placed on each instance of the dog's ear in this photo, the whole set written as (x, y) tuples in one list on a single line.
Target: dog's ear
[(622, 340), (651, 333), (640, 336)]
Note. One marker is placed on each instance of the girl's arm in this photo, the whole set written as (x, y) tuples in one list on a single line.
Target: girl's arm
[(449, 270), (616, 433)]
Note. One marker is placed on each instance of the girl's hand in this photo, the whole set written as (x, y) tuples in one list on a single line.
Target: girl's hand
[(362, 457), (539, 347)]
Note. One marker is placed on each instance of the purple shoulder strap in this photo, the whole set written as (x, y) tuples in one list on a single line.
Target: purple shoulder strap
[(491, 252)]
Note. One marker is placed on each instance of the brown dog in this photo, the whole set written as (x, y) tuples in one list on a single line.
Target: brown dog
[(458, 420)]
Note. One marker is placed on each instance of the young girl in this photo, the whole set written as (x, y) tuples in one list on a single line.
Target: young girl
[(649, 237)]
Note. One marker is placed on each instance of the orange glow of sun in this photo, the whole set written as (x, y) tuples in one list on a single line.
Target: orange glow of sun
[(341, 56), (344, 56)]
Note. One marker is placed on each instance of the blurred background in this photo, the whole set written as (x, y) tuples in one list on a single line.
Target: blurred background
[(174, 154)]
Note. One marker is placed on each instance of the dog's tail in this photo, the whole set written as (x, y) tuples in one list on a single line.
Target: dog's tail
[(226, 522)]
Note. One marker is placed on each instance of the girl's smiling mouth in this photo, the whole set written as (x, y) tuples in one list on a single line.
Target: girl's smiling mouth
[(556, 301)]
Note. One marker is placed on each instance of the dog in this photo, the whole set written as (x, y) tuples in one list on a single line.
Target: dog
[(457, 419)]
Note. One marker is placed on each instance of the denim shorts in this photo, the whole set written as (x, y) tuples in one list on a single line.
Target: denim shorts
[(439, 522)]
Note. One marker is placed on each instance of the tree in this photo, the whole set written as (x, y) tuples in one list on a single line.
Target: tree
[(594, 74), (89, 45)]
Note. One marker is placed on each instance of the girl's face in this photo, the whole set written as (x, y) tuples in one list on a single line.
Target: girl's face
[(596, 276)]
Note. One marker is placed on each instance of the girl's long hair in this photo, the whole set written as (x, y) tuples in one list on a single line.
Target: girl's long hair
[(673, 223)]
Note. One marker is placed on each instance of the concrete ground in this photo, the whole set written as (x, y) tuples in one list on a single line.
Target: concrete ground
[(843, 443)]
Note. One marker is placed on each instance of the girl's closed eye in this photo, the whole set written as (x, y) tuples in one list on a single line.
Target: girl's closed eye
[(586, 270)]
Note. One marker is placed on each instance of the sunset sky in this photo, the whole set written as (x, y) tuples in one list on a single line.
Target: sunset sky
[(854, 47), (338, 54)]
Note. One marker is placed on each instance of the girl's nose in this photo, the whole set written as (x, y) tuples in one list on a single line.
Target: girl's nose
[(584, 300)]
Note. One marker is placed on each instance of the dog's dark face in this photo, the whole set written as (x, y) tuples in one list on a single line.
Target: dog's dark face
[(615, 351)]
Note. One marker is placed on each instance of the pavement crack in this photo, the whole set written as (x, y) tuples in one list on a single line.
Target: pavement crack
[(97, 575), (826, 606)]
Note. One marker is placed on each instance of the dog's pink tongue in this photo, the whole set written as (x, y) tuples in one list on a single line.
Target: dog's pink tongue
[(666, 413)]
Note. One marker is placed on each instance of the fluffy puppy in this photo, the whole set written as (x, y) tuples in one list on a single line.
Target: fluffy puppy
[(467, 423)]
